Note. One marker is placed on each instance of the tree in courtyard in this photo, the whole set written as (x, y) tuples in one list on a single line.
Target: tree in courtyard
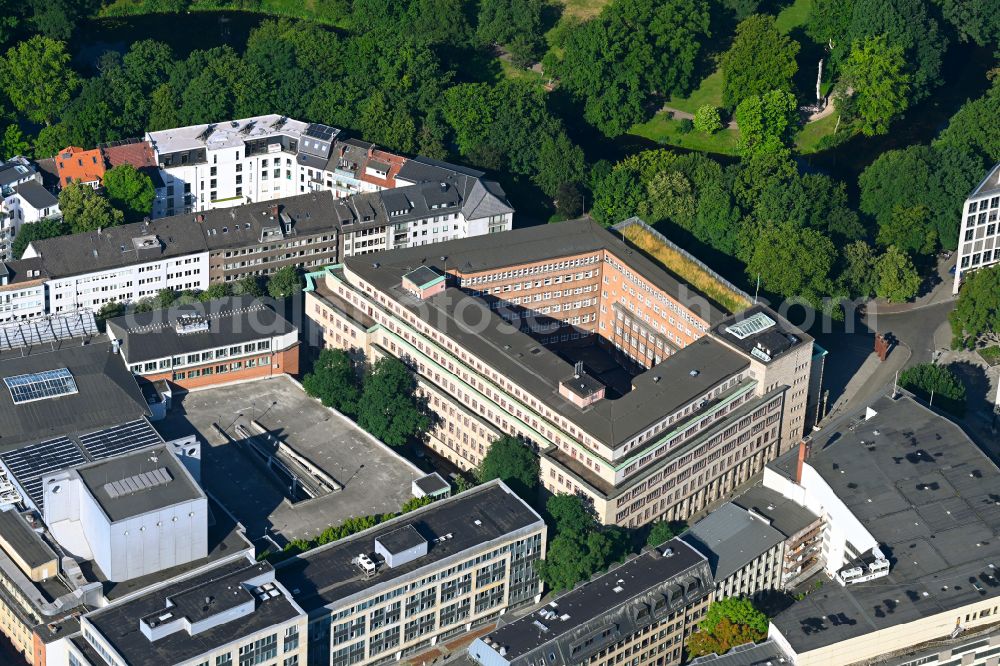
[(936, 384), (130, 190), (707, 120), (37, 231), (896, 279), (766, 122), (579, 549), (569, 200), (761, 59), (976, 316), (664, 530), (285, 282), (334, 381), (729, 622), (510, 460), (86, 210), (390, 408), (36, 76), (875, 71), (109, 310)]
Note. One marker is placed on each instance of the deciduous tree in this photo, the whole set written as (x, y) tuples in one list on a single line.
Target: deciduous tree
[(976, 316), (285, 282), (896, 279), (334, 381), (37, 78), (130, 190), (510, 460), (86, 210), (761, 59), (390, 408), (875, 72)]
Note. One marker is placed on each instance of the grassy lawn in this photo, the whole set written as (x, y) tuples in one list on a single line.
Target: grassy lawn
[(709, 92), (809, 136), (991, 355), (583, 9), (664, 130), (511, 71), (793, 16)]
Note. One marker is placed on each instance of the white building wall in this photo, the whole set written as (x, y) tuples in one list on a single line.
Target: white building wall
[(842, 527), (154, 541), (979, 233), (128, 283), (22, 302)]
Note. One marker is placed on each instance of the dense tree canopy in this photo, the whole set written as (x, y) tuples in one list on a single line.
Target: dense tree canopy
[(875, 72), (36, 77), (36, 231), (130, 190), (334, 381), (976, 317), (285, 282), (633, 48), (86, 210), (730, 621), (896, 279), (579, 549), (936, 384), (510, 460), (760, 60), (389, 407), (766, 122)]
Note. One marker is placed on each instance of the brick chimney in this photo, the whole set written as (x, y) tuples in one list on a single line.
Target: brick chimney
[(804, 447), (274, 211)]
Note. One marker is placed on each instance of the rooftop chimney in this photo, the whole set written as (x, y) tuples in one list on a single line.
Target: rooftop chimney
[(804, 447), (274, 211)]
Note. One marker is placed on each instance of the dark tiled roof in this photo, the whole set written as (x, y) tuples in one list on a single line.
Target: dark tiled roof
[(36, 195)]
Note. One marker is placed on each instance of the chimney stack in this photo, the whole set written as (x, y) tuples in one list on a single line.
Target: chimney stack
[(805, 445), (274, 211)]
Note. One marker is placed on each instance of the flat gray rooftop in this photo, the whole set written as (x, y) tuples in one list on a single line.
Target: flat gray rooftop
[(731, 538), (122, 485), (930, 498), (785, 515), (375, 479), (767, 653), (24, 540), (327, 575), (119, 623)]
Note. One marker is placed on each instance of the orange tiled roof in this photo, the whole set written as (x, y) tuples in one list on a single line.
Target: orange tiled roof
[(394, 161), (75, 163)]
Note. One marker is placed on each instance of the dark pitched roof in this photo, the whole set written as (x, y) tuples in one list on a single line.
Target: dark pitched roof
[(230, 321), (676, 575), (107, 393), (928, 496), (123, 245), (24, 540), (36, 195), (24, 270), (246, 225)]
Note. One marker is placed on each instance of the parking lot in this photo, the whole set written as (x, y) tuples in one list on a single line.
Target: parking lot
[(374, 478)]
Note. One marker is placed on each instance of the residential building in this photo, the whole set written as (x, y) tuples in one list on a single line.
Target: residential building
[(978, 237), (207, 344), (75, 164), (23, 200), (22, 290), (400, 588), (233, 163), (639, 612), (744, 551), (234, 613), (639, 393), (910, 516)]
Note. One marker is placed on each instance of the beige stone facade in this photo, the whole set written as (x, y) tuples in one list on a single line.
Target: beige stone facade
[(684, 458)]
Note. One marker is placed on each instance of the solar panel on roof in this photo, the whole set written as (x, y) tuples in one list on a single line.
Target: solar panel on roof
[(40, 385), (319, 131), (29, 464), (120, 439)]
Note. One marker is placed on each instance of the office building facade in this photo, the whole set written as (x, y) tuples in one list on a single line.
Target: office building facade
[(683, 404), (978, 237)]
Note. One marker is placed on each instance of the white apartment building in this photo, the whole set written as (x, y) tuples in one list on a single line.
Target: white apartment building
[(22, 290), (121, 264), (227, 164), (978, 239), (23, 201)]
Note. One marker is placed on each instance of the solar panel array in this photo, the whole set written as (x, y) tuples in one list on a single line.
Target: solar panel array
[(321, 132), (27, 465), (132, 484), (40, 385), (16, 335), (120, 439)]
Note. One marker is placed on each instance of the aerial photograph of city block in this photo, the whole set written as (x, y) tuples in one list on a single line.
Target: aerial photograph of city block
[(500, 332)]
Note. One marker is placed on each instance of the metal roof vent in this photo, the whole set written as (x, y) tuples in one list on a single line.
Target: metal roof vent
[(694, 373)]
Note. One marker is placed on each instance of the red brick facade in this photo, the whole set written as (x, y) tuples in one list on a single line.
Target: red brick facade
[(254, 366)]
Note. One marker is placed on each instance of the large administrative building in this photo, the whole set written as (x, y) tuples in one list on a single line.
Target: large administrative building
[(637, 391)]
